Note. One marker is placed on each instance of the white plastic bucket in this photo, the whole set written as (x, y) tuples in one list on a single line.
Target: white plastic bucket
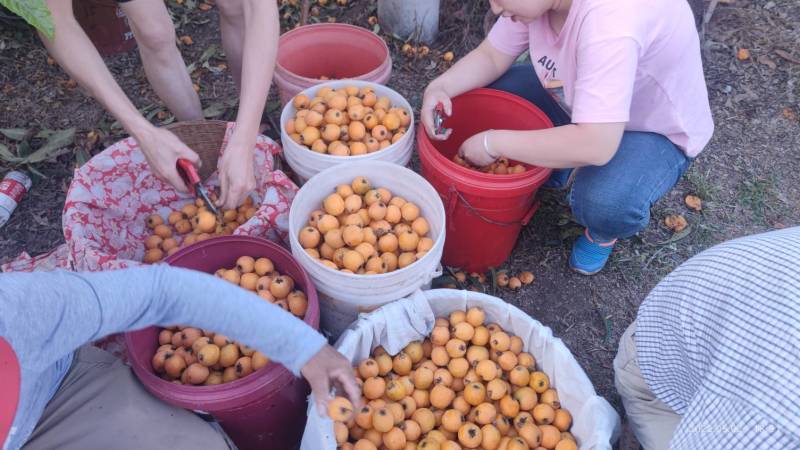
[(595, 422), (343, 295), (306, 163)]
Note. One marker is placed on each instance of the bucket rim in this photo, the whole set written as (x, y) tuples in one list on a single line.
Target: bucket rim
[(283, 72), (438, 243), (333, 159), (535, 176)]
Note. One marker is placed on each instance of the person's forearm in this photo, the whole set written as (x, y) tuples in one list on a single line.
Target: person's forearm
[(51, 314), (567, 146), (258, 63), (76, 54), (479, 68)]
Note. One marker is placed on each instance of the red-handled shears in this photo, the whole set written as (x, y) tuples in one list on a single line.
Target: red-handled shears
[(189, 174), (438, 120)]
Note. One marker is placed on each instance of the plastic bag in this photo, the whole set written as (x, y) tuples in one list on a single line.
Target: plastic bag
[(595, 422)]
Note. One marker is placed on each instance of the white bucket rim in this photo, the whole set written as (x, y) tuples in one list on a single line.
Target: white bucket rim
[(438, 242)]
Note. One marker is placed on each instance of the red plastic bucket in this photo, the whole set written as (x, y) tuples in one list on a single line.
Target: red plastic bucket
[(485, 213), (105, 24), (264, 410), (333, 50)]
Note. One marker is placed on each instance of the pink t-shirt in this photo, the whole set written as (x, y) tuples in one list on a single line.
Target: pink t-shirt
[(628, 61)]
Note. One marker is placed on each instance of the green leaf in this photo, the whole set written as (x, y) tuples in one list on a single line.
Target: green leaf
[(81, 157), (35, 12), (24, 149), (16, 134), (7, 156), (54, 146), (214, 110)]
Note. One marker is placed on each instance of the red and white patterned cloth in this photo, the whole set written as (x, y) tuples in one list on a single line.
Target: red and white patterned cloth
[(111, 196)]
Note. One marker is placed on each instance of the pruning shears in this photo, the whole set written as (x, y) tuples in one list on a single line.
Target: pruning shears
[(438, 120), (189, 174)]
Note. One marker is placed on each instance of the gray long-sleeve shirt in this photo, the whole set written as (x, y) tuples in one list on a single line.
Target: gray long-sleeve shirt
[(46, 316)]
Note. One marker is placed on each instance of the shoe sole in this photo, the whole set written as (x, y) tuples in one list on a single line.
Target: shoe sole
[(585, 272)]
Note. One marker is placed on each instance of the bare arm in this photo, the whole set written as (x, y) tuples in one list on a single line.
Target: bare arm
[(479, 68), (568, 146), (77, 55), (260, 51)]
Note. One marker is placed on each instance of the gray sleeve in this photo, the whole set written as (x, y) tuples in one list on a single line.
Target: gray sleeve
[(47, 315)]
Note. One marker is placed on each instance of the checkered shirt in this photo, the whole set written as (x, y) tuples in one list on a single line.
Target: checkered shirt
[(718, 340)]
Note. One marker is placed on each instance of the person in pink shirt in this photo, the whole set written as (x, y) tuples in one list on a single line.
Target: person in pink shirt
[(621, 80)]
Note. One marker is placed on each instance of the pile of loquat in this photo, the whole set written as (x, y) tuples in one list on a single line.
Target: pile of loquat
[(188, 355), (192, 223), (366, 230), (466, 386), (347, 121), (500, 167)]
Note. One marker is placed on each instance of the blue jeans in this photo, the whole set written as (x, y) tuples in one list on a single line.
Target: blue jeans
[(614, 200)]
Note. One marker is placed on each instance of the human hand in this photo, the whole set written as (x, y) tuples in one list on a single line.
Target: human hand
[(236, 172), (434, 96), (162, 149), (477, 150), (328, 368)]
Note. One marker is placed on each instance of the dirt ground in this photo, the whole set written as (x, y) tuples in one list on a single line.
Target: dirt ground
[(748, 176)]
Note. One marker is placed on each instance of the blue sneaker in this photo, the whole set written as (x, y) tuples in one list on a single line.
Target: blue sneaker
[(559, 179), (589, 256)]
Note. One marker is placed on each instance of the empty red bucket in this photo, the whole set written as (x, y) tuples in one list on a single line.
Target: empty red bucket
[(266, 409), (333, 50), (485, 213)]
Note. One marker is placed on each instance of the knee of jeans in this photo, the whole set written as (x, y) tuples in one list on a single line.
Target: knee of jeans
[(607, 212)]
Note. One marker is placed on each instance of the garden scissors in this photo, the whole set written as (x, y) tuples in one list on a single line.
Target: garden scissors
[(188, 173), (438, 120)]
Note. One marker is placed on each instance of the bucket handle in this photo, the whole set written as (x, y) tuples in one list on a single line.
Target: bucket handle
[(454, 197)]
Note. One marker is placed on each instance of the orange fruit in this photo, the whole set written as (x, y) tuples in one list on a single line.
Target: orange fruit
[(153, 255), (562, 420), (544, 414), (540, 382), (469, 435), (374, 387), (550, 397), (550, 436), (340, 409)]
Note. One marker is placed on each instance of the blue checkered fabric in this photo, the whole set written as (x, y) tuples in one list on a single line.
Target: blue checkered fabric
[(718, 340)]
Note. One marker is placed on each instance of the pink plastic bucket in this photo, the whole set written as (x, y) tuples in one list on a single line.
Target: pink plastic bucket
[(264, 410), (333, 50)]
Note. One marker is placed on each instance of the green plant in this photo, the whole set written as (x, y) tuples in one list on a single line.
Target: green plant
[(35, 12)]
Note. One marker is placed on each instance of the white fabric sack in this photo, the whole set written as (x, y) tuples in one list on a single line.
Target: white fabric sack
[(595, 422)]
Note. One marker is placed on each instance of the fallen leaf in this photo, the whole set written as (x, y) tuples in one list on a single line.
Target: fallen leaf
[(92, 137), (787, 56), (69, 84), (676, 223), (767, 61), (196, 87), (694, 202), (16, 134), (372, 20), (162, 115), (50, 61), (743, 54), (186, 40), (778, 226), (789, 114), (222, 66), (204, 7)]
